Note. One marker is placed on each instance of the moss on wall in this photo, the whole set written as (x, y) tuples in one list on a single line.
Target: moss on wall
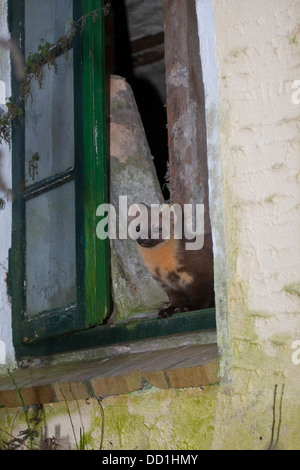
[(151, 419), (258, 404)]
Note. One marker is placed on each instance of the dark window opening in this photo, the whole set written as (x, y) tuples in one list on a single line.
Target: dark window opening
[(135, 51), (155, 46)]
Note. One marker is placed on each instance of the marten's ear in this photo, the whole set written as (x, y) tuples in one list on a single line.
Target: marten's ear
[(133, 211), (170, 211), (138, 216)]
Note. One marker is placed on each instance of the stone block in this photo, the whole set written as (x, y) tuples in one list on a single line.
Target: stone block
[(132, 174)]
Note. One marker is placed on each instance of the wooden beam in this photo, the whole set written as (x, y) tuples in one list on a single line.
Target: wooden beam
[(147, 42), (148, 57), (147, 49), (186, 106)]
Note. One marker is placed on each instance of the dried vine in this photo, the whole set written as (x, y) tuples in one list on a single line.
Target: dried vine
[(34, 69)]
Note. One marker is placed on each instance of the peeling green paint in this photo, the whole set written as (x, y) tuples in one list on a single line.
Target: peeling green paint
[(259, 314), (281, 340), (238, 52), (293, 289), (271, 199)]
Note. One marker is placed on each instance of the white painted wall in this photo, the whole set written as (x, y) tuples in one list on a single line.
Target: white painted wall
[(250, 60), (6, 347), (208, 55), (258, 59)]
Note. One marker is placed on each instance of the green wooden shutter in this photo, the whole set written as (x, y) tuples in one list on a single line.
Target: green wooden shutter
[(95, 163), (54, 212)]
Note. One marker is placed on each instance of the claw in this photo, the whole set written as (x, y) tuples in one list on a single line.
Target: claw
[(168, 312)]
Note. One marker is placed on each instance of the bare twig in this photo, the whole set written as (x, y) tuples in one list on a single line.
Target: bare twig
[(70, 416), (280, 415), (273, 446), (99, 400), (22, 443), (30, 433)]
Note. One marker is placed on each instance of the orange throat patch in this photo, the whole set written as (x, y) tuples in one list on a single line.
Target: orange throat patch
[(163, 263)]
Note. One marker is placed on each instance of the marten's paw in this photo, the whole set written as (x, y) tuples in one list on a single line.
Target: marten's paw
[(169, 311)]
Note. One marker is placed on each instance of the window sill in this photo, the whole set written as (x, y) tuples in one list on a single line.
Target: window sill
[(181, 367)]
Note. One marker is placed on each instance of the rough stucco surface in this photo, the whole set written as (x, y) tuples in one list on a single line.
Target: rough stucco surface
[(257, 48)]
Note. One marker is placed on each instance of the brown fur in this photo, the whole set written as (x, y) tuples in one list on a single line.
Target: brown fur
[(185, 275)]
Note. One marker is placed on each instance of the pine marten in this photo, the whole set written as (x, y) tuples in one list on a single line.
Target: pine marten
[(185, 275)]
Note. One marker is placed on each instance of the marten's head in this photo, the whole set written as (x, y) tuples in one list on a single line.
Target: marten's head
[(151, 226)]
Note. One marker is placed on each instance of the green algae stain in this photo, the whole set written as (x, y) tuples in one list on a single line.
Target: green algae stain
[(293, 289)]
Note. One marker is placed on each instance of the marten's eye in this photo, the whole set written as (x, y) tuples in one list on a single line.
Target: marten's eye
[(138, 228)]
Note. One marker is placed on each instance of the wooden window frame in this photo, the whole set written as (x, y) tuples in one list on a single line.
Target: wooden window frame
[(78, 326), (89, 174)]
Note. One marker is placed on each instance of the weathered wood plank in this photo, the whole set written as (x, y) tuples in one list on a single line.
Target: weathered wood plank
[(186, 106)]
